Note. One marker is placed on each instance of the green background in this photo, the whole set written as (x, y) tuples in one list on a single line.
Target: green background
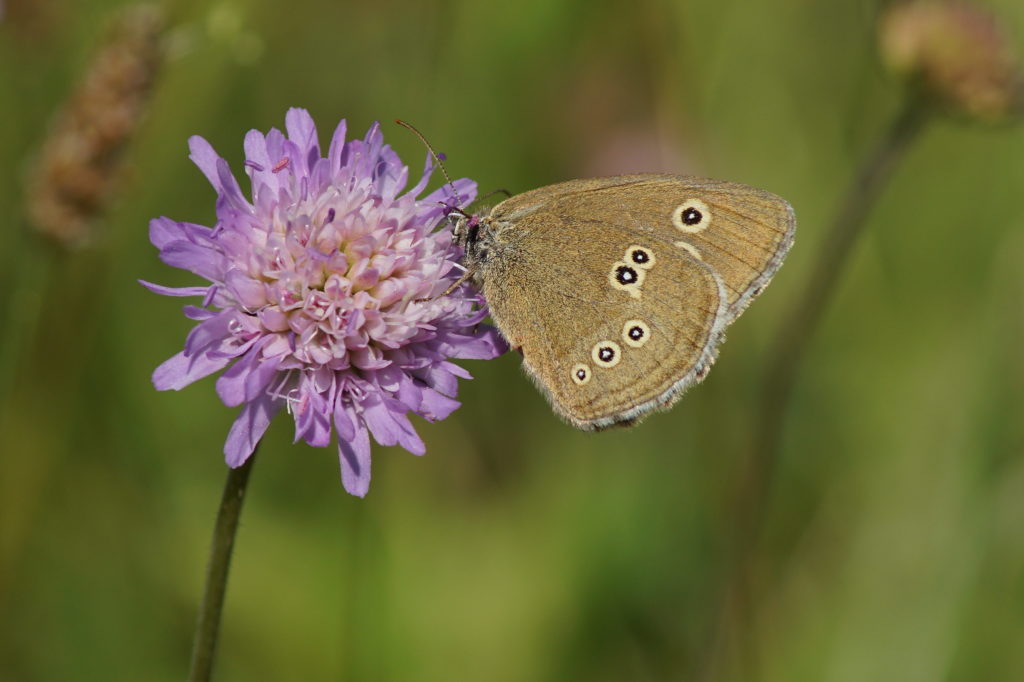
[(892, 538)]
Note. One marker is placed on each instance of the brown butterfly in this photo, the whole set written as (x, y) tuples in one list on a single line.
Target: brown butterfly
[(617, 290)]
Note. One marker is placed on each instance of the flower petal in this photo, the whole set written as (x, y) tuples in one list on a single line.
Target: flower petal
[(203, 156), (180, 371), (484, 346), (163, 231), (229, 191), (174, 291), (259, 165), (312, 419), (355, 462), (251, 293), (248, 378), (201, 260), (335, 154), (436, 406), (248, 429), (210, 334), (302, 132), (389, 425), (344, 422)]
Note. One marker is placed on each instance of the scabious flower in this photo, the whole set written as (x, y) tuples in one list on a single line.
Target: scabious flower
[(325, 294)]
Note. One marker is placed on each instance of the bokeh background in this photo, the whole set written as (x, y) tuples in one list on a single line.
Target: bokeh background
[(891, 538)]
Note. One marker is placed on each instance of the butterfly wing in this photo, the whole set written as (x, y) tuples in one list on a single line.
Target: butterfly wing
[(608, 345), (741, 232)]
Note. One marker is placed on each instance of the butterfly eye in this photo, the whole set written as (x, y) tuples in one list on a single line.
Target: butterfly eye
[(692, 216), (640, 256), (606, 354), (581, 374), (626, 277), (636, 333)]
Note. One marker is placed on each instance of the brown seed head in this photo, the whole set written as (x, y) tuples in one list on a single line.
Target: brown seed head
[(79, 162)]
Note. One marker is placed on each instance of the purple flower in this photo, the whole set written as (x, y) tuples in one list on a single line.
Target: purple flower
[(324, 294)]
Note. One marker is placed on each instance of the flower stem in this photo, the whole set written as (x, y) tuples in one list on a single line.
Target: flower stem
[(208, 625), (800, 325), (756, 479)]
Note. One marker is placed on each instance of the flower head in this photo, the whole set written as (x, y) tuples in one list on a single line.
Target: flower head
[(324, 294), (958, 54)]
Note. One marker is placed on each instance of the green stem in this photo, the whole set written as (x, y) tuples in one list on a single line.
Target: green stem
[(204, 646), (784, 358), (801, 324)]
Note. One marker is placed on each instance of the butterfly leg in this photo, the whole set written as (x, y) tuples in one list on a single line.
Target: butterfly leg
[(455, 285)]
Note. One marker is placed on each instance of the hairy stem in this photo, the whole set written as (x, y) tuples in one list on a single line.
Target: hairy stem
[(204, 646)]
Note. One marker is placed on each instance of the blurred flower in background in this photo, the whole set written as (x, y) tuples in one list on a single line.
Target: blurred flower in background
[(325, 293), (957, 53), (80, 162)]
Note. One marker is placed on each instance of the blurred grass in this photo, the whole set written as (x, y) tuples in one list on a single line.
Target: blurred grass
[(519, 549)]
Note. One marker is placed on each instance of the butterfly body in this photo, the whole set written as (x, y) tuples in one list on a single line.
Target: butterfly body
[(617, 290)]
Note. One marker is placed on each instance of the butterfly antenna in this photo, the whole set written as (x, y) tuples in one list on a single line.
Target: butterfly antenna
[(437, 160), (493, 192)]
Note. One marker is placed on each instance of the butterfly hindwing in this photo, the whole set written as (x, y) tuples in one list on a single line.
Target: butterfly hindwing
[(604, 350), (617, 290)]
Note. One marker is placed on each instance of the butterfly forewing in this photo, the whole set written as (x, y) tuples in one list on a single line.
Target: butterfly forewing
[(742, 232)]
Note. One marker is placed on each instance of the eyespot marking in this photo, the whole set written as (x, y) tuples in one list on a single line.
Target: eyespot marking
[(641, 257), (581, 374), (691, 249), (636, 333), (627, 277), (692, 216), (606, 354)]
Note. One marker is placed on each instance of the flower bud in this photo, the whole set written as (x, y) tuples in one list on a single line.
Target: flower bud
[(956, 53)]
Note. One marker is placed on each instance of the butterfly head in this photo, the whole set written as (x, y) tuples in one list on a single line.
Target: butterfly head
[(472, 233)]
